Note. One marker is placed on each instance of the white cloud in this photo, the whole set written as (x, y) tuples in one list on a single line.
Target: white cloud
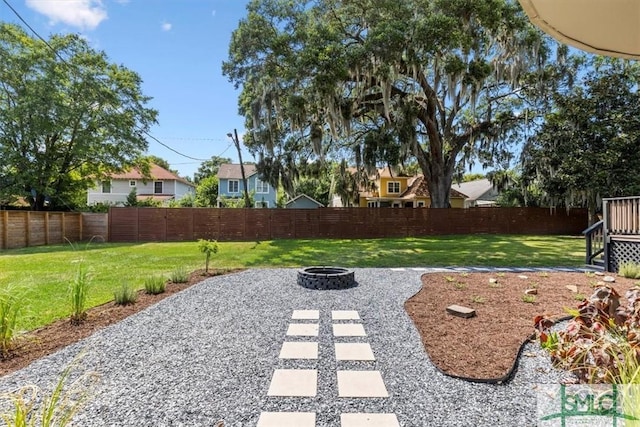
[(166, 26), (85, 14)]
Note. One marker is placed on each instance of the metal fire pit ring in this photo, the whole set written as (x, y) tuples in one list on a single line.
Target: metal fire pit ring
[(326, 278)]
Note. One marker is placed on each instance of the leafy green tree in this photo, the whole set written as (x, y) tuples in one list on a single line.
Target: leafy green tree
[(67, 117), (587, 147), (210, 168), (207, 192), (385, 81)]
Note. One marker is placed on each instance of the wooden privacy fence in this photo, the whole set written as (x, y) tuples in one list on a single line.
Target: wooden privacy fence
[(19, 229), (185, 224)]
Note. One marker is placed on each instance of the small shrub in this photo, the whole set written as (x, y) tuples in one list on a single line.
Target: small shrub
[(78, 293), (478, 299), (9, 311), (179, 275), (464, 274), (543, 274), (460, 285), (600, 344), (500, 274), (125, 295), (449, 279), (208, 247), (630, 270), (529, 299), (579, 297), (155, 285)]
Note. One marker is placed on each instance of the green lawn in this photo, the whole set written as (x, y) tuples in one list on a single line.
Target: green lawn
[(41, 275)]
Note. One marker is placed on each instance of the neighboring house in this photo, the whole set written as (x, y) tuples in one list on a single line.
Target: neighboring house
[(161, 185), (480, 193), (396, 191), (230, 186), (303, 202)]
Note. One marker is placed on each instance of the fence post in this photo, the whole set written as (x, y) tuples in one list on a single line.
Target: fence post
[(28, 229), (46, 228), (5, 230), (80, 220)]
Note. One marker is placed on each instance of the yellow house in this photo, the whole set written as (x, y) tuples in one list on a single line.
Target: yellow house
[(401, 191)]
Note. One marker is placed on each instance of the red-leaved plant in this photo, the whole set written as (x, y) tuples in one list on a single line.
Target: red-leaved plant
[(602, 341)]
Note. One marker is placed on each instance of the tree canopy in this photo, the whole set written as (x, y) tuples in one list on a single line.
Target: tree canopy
[(382, 82), (587, 146), (67, 117), (209, 168)]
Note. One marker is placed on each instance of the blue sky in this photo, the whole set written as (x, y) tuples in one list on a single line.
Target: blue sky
[(177, 46)]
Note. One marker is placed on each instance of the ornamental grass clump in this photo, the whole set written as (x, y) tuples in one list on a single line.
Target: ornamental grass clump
[(630, 270), (125, 295), (9, 312), (179, 275), (29, 406), (78, 294), (155, 285)]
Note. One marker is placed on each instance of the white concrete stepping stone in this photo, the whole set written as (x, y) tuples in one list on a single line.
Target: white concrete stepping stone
[(306, 314), (361, 384), (369, 420), (299, 350), (348, 330), (354, 351), (303, 329), (345, 315), (287, 419), (294, 383)]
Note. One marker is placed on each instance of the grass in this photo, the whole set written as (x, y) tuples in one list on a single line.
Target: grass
[(40, 274)]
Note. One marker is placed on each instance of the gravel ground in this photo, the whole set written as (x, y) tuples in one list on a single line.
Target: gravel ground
[(208, 353)]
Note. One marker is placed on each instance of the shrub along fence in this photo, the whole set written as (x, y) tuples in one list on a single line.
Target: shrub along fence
[(19, 229), (186, 224)]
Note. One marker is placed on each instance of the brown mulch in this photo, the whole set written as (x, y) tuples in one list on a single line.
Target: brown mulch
[(486, 346), (51, 338)]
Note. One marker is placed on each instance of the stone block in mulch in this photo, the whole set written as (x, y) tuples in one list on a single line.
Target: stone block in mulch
[(460, 311)]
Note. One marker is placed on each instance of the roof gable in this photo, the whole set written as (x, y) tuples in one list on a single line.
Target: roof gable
[(419, 188), (155, 173), (304, 196), (233, 171)]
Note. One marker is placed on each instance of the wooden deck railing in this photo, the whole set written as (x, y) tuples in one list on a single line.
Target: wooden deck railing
[(622, 215), (594, 237)]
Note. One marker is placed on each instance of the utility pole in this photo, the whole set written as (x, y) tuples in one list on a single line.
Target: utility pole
[(236, 141)]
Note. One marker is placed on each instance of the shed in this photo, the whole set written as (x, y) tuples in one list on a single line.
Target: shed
[(303, 202)]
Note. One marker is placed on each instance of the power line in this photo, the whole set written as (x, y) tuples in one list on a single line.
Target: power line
[(71, 67)]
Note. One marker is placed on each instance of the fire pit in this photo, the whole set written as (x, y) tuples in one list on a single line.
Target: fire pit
[(326, 278)]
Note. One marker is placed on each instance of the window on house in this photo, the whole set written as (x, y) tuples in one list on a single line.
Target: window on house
[(395, 205), (372, 204), (132, 183), (233, 186), (106, 186), (421, 204), (393, 187), (261, 186), (262, 204), (157, 187)]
